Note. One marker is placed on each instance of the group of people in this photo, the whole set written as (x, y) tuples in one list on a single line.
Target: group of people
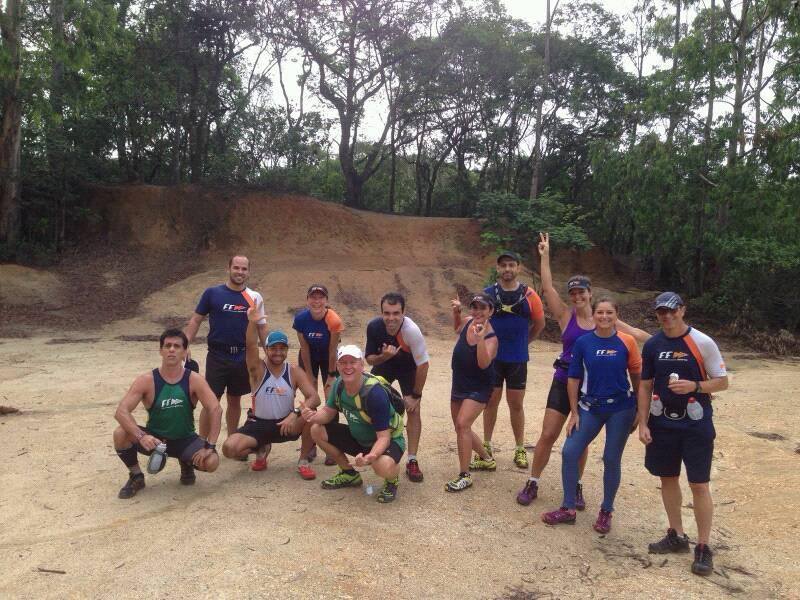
[(600, 380)]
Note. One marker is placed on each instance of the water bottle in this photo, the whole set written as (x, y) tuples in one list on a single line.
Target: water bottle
[(656, 406), (694, 409), (673, 377), (158, 459), (369, 490)]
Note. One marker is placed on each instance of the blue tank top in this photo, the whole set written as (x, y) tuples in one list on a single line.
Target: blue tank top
[(467, 375), (568, 337)]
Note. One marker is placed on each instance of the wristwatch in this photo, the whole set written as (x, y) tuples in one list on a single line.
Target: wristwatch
[(697, 388), (211, 446), (296, 411)]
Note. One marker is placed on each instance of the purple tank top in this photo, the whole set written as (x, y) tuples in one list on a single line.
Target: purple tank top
[(568, 337)]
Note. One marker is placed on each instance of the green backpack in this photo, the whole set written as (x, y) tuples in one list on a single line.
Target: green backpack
[(369, 381)]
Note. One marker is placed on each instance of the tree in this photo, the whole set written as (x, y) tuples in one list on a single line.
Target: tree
[(355, 46), (11, 128)]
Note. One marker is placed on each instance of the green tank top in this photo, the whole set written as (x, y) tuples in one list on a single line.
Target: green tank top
[(171, 417), (359, 422)]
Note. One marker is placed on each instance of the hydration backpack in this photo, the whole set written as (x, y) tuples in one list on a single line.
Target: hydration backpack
[(395, 398)]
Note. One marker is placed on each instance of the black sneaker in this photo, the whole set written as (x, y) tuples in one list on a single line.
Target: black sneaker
[(703, 562), (672, 542), (187, 474), (133, 485)]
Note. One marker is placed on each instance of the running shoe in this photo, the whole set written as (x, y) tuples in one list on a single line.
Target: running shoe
[(487, 445), (389, 491), (133, 485), (413, 472), (306, 472), (329, 462), (528, 494), (521, 458), (703, 563), (672, 542), (187, 473), (482, 464), (342, 479), (260, 464), (580, 503), (562, 515), (603, 523), (462, 482)]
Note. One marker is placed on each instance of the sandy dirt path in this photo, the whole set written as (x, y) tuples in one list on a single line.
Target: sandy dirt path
[(242, 534)]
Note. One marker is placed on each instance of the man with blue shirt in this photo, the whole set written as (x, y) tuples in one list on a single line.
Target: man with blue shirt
[(518, 319), (226, 306), (681, 368)]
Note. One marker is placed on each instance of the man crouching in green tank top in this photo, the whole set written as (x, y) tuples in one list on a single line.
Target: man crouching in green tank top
[(170, 394)]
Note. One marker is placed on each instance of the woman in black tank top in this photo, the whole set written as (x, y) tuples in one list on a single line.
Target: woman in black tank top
[(473, 376)]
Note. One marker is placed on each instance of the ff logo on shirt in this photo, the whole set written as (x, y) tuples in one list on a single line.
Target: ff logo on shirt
[(672, 356), (234, 308), (606, 353)]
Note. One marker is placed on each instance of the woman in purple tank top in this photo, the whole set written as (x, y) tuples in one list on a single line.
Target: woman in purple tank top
[(574, 321)]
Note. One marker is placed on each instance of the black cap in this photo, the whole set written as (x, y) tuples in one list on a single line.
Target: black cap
[(317, 287), (579, 282), (669, 300), (508, 254), (481, 298)]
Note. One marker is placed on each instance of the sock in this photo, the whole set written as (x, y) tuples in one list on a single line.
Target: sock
[(350, 471), (395, 480), (580, 482), (130, 458), (412, 457), (465, 474), (534, 480), (302, 461), (520, 447)]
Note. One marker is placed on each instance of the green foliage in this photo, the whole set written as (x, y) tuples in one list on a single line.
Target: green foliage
[(514, 223)]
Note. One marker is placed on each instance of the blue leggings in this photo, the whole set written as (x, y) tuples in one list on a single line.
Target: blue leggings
[(618, 427)]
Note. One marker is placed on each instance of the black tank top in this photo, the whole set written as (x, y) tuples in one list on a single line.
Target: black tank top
[(467, 375)]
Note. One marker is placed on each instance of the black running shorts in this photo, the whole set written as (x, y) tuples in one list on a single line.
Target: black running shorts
[(692, 445), (515, 374), (406, 378), (339, 436), (317, 366), (557, 398), (265, 431), (224, 374), (183, 449)]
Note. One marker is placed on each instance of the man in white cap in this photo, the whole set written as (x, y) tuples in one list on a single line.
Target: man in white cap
[(373, 434)]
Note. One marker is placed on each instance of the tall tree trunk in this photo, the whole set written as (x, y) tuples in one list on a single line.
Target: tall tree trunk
[(673, 105), (55, 131), (536, 159), (11, 132), (737, 115), (761, 57), (393, 171)]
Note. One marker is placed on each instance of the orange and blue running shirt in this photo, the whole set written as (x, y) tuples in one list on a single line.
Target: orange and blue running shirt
[(603, 363), (227, 321), (693, 356), (318, 332), (513, 313)]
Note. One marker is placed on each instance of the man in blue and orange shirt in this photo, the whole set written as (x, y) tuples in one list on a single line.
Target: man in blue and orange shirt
[(681, 368), (518, 319)]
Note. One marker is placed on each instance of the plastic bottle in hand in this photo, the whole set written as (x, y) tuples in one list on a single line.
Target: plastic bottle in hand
[(656, 406), (694, 409), (158, 459), (673, 377)]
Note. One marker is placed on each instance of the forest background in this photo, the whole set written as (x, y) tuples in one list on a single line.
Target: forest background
[(668, 135)]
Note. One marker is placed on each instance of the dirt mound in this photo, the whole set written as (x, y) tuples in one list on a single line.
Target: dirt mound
[(152, 250)]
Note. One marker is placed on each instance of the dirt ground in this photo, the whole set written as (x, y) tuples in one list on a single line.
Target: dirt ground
[(236, 533)]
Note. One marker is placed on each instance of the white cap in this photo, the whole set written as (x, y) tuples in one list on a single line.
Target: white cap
[(349, 350)]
